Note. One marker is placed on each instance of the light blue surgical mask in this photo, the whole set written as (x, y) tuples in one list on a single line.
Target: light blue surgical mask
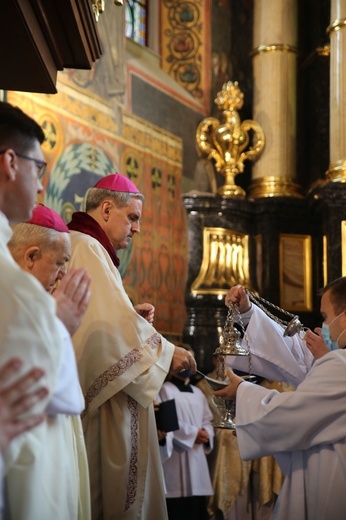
[(332, 345)]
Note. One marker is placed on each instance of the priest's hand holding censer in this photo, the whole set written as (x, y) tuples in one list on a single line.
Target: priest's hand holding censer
[(230, 345)]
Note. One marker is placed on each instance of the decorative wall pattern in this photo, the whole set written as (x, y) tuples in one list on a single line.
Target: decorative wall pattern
[(185, 36), (83, 145)]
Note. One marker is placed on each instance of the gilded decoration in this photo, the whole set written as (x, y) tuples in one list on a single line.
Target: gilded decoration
[(98, 7), (185, 45), (274, 187), (337, 172), (325, 261), (225, 142), (225, 261), (278, 47), (337, 25)]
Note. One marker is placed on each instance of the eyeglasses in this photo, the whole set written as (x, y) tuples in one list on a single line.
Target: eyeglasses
[(41, 165)]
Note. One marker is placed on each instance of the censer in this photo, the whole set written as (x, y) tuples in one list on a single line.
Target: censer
[(230, 345)]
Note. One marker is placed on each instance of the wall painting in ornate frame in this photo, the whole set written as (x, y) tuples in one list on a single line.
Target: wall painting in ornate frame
[(295, 272)]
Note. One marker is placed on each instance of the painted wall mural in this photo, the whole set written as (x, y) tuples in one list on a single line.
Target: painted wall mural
[(185, 37), (84, 143)]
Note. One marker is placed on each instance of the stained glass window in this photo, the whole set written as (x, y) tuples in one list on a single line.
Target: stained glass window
[(136, 15)]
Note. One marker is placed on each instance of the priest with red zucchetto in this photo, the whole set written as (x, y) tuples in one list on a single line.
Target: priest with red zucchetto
[(122, 361)]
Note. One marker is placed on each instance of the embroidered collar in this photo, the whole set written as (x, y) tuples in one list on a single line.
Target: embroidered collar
[(86, 224)]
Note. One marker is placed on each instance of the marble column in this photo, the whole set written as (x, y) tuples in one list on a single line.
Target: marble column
[(275, 69), (337, 114)]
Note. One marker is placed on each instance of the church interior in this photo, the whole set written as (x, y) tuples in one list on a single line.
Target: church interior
[(228, 116)]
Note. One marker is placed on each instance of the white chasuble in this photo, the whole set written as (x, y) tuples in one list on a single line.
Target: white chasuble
[(122, 363), (37, 467)]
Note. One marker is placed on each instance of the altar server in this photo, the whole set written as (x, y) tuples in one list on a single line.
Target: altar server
[(186, 471), (304, 429)]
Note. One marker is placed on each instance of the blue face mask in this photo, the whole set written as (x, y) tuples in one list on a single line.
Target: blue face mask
[(332, 345)]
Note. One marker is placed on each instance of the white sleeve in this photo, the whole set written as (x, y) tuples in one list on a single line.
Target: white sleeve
[(167, 449), (273, 355), (269, 422), (67, 397)]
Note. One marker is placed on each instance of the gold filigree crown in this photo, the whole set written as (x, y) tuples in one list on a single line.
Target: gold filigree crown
[(230, 97)]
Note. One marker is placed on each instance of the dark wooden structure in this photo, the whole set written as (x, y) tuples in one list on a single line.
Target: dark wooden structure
[(39, 37)]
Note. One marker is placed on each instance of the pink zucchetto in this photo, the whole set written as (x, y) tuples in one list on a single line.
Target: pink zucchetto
[(46, 217), (117, 182)]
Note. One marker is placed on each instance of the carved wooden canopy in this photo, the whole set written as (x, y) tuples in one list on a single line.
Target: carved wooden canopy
[(40, 37)]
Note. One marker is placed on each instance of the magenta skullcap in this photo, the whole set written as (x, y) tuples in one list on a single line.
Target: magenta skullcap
[(117, 182), (46, 217)]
